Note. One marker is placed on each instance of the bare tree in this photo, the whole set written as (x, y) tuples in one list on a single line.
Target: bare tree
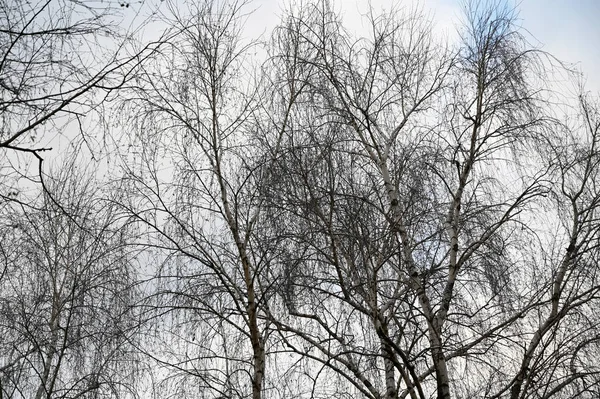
[(350, 141), (207, 131), (384, 216), (558, 346), (67, 295)]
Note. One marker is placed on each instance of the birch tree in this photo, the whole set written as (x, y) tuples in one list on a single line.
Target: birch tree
[(207, 123), (66, 296), (406, 197)]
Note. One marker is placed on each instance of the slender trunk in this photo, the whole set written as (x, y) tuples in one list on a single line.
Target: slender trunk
[(551, 320), (434, 327), (390, 380), (43, 387), (441, 370), (387, 352), (258, 351), (258, 358)]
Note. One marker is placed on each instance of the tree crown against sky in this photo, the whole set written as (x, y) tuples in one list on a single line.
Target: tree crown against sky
[(377, 215)]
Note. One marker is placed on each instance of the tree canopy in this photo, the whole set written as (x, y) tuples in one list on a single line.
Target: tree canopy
[(321, 212)]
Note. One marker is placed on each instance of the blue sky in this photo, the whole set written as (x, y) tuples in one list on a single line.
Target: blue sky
[(567, 29)]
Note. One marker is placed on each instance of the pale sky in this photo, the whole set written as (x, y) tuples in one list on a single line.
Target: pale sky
[(570, 30)]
